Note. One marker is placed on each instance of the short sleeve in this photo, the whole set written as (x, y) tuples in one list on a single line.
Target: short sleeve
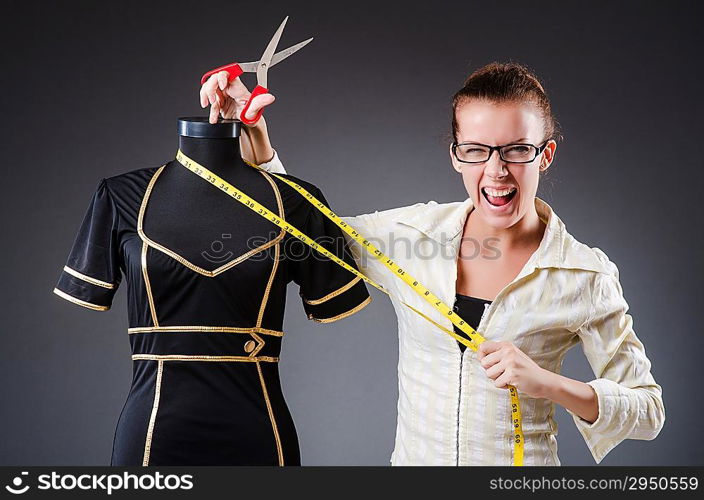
[(92, 272), (329, 291)]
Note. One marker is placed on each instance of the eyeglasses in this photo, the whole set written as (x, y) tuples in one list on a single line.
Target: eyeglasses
[(474, 152)]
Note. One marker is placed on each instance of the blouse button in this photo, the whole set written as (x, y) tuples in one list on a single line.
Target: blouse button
[(249, 346)]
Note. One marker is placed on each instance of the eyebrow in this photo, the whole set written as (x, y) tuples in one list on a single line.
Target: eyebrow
[(522, 139)]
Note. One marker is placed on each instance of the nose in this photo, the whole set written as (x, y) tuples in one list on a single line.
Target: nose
[(495, 167)]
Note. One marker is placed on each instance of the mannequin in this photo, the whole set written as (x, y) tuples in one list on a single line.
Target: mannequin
[(181, 205), (206, 282)]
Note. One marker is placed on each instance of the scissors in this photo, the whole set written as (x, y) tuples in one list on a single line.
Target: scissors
[(261, 67)]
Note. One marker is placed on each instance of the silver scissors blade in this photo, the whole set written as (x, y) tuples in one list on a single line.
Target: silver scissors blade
[(280, 56), (251, 67), (265, 60)]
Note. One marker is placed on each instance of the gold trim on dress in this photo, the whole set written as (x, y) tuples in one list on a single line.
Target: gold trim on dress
[(84, 277), (183, 260), (202, 357), (265, 298), (80, 302), (344, 314), (152, 418), (254, 164), (147, 284), (335, 293), (260, 344), (277, 252), (271, 416), (190, 328)]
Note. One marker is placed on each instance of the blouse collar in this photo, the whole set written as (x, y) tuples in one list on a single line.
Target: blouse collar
[(444, 222)]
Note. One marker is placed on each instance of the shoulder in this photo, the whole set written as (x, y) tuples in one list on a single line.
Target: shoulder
[(598, 274), (440, 221), (563, 251), (282, 185), (125, 191), (130, 181), (577, 254), (609, 266), (299, 210), (429, 212)]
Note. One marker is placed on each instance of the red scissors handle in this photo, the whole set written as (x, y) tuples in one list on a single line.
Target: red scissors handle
[(234, 70), (261, 67), (258, 90)]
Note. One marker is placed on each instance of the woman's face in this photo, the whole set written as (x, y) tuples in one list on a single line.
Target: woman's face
[(499, 124)]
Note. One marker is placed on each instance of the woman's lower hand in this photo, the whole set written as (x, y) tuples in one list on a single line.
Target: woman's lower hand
[(228, 99), (506, 365)]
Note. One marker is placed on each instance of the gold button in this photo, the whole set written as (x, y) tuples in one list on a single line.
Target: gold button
[(249, 346)]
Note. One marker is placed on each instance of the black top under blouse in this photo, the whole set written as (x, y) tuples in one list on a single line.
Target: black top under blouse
[(471, 310)]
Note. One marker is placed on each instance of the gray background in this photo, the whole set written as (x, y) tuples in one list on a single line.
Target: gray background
[(94, 89)]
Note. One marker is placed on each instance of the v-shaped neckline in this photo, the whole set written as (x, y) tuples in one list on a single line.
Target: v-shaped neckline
[(176, 256)]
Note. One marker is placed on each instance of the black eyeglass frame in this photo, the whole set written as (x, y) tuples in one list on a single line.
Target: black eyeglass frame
[(538, 150)]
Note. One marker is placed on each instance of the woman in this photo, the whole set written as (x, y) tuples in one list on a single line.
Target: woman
[(533, 291)]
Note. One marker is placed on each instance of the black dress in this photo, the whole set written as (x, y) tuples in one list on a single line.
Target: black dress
[(206, 341), (471, 310)]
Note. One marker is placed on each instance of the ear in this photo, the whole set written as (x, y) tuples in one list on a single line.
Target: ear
[(455, 164), (548, 155)]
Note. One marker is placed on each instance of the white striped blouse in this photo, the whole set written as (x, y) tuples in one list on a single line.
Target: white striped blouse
[(449, 411)]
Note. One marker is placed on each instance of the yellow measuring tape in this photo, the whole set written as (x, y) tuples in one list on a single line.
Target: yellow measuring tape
[(430, 297)]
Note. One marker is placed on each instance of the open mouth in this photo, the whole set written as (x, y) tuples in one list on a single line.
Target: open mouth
[(500, 201)]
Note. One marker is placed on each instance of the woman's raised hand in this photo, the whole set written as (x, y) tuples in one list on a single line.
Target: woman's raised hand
[(229, 99)]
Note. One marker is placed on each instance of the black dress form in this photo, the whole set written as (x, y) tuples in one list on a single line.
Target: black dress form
[(187, 213), (206, 282)]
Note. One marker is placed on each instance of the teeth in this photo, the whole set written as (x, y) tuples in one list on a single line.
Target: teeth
[(503, 192)]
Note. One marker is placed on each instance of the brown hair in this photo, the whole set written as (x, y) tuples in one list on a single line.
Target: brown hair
[(507, 82)]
